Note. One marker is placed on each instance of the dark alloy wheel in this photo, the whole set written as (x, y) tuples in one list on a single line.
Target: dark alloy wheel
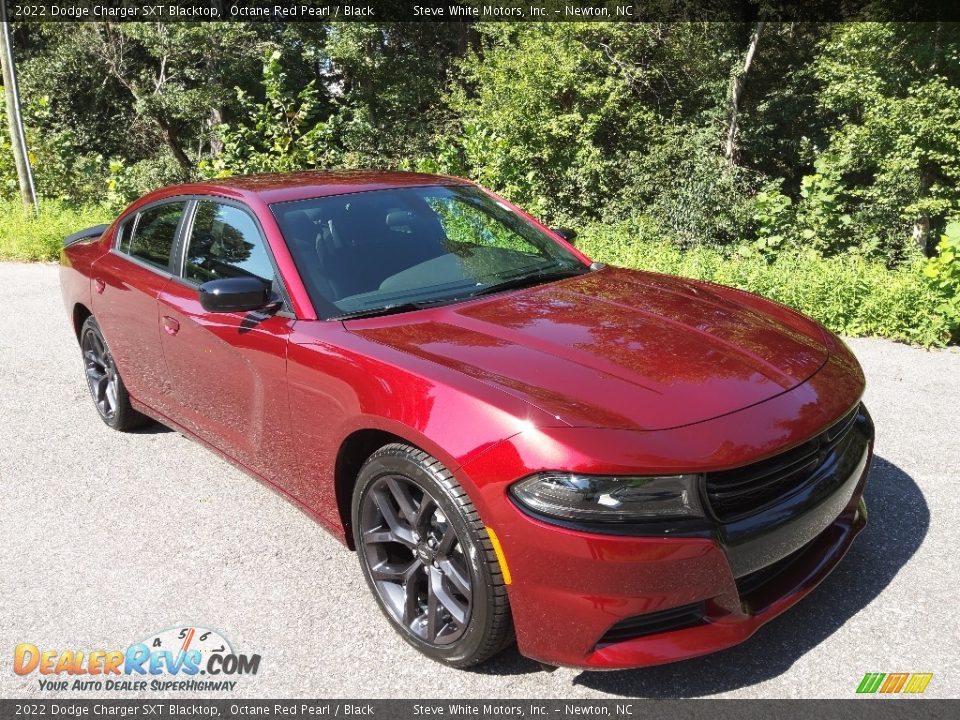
[(101, 372), (106, 386), (416, 559), (428, 559)]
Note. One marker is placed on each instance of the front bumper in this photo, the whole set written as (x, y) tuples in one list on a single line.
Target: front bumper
[(582, 599)]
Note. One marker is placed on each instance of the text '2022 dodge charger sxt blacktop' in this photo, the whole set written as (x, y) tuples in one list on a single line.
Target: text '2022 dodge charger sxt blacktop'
[(616, 468)]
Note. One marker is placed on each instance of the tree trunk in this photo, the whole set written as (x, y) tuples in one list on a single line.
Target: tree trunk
[(171, 140), (216, 142), (17, 140), (731, 150), (921, 226)]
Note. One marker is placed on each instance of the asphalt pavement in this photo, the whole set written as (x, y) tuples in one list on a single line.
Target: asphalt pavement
[(107, 538)]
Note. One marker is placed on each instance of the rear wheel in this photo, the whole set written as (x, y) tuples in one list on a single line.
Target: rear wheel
[(106, 386), (427, 558)]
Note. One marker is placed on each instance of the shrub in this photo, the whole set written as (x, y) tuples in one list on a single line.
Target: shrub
[(279, 134), (25, 237), (125, 183), (890, 146), (943, 272), (849, 294), (771, 213)]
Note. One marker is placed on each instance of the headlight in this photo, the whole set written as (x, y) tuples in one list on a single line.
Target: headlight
[(599, 498)]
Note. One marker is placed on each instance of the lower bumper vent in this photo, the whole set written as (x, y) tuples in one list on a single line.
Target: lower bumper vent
[(655, 622)]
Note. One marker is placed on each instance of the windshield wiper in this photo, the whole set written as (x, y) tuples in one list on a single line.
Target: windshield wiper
[(395, 309), (517, 282), (529, 280)]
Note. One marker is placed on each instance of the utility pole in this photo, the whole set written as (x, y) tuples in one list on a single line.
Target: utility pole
[(14, 119)]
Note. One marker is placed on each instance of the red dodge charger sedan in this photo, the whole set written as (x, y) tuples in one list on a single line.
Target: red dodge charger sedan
[(615, 468)]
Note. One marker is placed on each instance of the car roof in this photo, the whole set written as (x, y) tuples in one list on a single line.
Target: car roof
[(285, 187)]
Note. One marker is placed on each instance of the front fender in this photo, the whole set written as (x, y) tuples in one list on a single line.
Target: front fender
[(340, 383)]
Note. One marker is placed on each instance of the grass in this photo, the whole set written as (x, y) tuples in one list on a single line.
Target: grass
[(28, 238), (849, 294)]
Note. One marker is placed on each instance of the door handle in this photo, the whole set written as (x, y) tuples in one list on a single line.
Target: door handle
[(170, 325), (100, 285)]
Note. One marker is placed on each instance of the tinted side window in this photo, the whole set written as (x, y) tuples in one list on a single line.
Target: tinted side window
[(225, 242), (155, 232)]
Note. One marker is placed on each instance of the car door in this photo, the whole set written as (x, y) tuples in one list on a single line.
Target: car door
[(126, 282), (228, 370)]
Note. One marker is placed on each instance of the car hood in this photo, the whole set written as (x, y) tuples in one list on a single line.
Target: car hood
[(618, 348)]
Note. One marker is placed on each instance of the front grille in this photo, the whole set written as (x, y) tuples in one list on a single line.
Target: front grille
[(655, 622), (737, 493)]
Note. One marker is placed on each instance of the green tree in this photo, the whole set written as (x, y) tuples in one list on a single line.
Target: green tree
[(376, 100), (890, 99), (596, 119), (146, 94), (283, 132)]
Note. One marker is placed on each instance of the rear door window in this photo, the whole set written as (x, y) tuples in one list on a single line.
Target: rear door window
[(154, 234), (122, 236)]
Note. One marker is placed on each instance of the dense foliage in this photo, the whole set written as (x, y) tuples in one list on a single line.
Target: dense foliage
[(846, 144), (848, 293)]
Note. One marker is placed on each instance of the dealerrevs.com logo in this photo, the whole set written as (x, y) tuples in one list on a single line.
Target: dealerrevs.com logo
[(894, 683), (188, 659)]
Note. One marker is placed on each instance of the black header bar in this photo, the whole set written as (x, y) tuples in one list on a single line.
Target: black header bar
[(480, 10)]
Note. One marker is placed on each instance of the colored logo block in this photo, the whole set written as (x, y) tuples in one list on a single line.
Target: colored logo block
[(891, 683)]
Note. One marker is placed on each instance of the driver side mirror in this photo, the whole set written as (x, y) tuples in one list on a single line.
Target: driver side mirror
[(238, 294), (566, 233)]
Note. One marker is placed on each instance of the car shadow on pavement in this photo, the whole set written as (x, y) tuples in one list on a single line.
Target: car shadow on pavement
[(897, 525), (152, 428), (508, 662)]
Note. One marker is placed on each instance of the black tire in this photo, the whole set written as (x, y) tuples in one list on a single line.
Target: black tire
[(429, 608), (110, 396)]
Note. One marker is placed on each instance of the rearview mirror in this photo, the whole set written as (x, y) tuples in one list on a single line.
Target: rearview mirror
[(566, 233), (239, 294)]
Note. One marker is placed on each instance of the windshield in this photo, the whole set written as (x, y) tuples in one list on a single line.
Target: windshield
[(410, 246)]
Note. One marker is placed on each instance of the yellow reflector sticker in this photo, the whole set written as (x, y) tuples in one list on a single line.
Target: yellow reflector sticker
[(495, 541)]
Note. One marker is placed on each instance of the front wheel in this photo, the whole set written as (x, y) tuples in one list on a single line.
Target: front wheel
[(428, 559)]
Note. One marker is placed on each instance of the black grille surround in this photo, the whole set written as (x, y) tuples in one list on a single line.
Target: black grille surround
[(735, 494)]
